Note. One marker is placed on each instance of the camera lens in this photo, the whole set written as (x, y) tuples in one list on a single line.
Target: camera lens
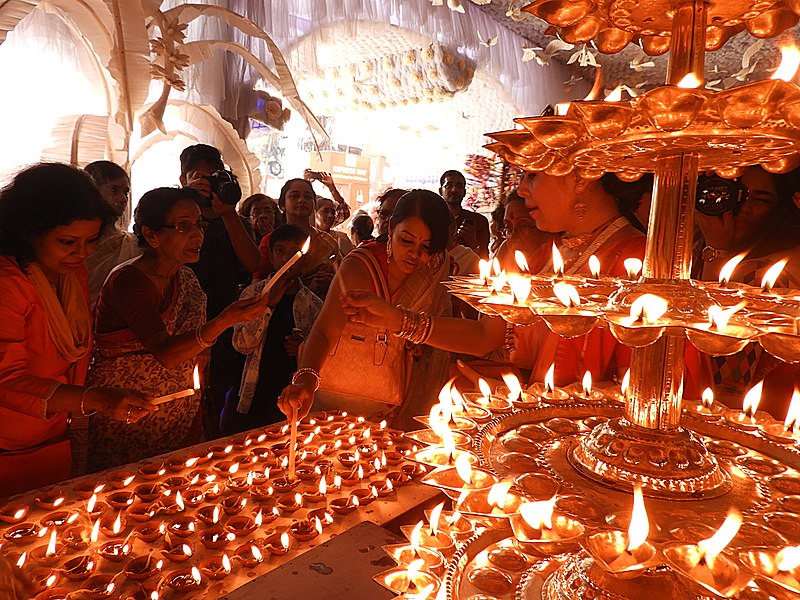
[(716, 196)]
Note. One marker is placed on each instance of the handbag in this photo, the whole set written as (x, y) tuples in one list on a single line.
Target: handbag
[(366, 365)]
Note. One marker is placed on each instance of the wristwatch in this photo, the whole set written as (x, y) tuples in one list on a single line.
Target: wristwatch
[(710, 254)]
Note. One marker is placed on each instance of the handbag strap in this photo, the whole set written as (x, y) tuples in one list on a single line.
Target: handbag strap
[(369, 260)]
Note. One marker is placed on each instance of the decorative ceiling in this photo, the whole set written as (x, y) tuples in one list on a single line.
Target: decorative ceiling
[(741, 59)]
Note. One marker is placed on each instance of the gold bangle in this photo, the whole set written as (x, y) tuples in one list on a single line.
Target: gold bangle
[(83, 399), (304, 371)]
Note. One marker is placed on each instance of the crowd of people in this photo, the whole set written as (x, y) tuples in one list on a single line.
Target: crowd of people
[(98, 323)]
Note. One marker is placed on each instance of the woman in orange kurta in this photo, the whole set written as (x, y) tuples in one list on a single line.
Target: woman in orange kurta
[(50, 219)]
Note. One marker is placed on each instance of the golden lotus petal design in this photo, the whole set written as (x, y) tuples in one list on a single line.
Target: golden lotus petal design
[(559, 13), (772, 22), (748, 105), (670, 108), (604, 120), (611, 40), (584, 30), (554, 132), (519, 141)]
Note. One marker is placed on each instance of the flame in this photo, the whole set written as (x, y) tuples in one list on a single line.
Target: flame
[(587, 383), (484, 269), (498, 494), (179, 501), (626, 383), (567, 294), (259, 519), (95, 534), (285, 540), (594, 266), (558, 262), (520, 287), (125, 483), (318, 525), (51, 580), (215, 515), (154, 595), (496, 267), (539, 515), (323, 486), (752, 399), (719, 316), (772, 275), (306, 246), (196, 575), (639, 527), (191, 462), (562, 108), (550, 379), (196, 379), (51, 547), (436, 513), (690, 81), (416, 535), (708, 397), (790, 61), (117, 527), (486, 391), (712, 546), (513, 385), (633, 266), (449, 443), (226, 563), (615, 95), (793, 414), (21, 560), (256, 552), (91, 503), (648, 308), (519, 257), (464, 468), (500, 281), (21, 512), (726, 272), (788, 559), (414, 569)]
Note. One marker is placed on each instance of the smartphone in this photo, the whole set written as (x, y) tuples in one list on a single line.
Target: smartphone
[(309, 174)]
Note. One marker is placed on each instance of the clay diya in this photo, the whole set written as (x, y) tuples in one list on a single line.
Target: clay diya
[(14, 513), (114, 551), (148, 492), (183, 526), (143, 567), (49, 500), (216, 537), (209, 514), (22, 534), (233, 505), (305, 530), (148, 532), (249, 554), (277, 544), (216, 567), (48, 554), (78, 568), (178, 551), (151, 471), (58, 519), (184, 580), (242, 525)]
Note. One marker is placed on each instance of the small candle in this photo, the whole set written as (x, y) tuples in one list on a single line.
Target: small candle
[(288, 265)]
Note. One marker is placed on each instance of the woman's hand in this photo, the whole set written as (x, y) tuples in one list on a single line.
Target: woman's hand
[(296, 398), (718, 231), (247, 309), (362, 306), (119, 404)]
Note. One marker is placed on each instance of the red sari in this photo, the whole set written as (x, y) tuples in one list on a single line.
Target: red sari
[(34, 447)]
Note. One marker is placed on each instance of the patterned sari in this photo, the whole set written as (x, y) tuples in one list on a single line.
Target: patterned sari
[(120, 360)]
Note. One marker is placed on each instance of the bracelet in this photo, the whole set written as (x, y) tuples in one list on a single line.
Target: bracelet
[(304, 371), (198, 337), (83, 399), (416, 326)]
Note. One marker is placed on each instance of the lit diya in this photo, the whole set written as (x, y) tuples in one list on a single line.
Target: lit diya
[(151, 471), (242, 525), (49, 500), (14, 513), (429, 537), (22, 534), (344, 506), (49, 554), (538, 530), (462, 476), (216, 537), (183, 526), (781, 567), (216, 567), (453, 523), (149, 532), (78, 568), (625, 554), (97, 587), (703, 565), (497, 404), (178, 551), (548, 391), (114, 551), (249, 554), (143, 567), (58, 519), (277, 544), (787, 432), (583, 392), (184, 580), (305, 530), (705, 409), (749, 418), (409, 580)]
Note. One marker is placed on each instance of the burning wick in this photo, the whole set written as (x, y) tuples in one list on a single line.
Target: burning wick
[(183, 393), (768, 281), (633, 266), (558, 262), (522, 263), (791, 421), (790, 61), (567, 294), (711, 547), (726, 272), (752, 399), (594, 266), (484, 270), (690, 81)]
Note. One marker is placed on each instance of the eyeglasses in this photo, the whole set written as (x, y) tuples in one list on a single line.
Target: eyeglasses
[(187, 227)]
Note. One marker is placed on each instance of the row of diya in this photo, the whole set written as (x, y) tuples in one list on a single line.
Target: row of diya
[(214, 509), (624, 137), (528, 505), (720, 318)]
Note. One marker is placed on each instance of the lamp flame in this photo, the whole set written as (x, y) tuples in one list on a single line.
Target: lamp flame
[(707, 397), (51, 546), (550, 378), (719, 316), (793, 414), (587, 383), (323, 486), (615, 95), (496, 267), (498, 494), (484, 269), (567, 294), (562, 108), (539, 515), (117, 527), (788, 559), (196, 575), (51, 580), (790, 61), (486, 391), (768, 281), (690, 81), (513, 385), (648, 308), (626, 383), (285, 540), (712, 546), (306, 246), (726, 272), (179, 501), (464, 468), (196, 377), (256, 552), (558, 262), (91, 503), (639, 527), (633, 266), (415, 536), (752, 399), (259, 519), (594, 266), (520, 287), (436, 513), (95, 534), (522, 263)]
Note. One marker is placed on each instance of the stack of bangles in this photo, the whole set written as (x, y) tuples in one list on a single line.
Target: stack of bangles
[(304, 371), (198, 338), (416, 327)]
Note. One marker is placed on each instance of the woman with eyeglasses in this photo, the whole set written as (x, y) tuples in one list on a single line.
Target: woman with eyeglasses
[(150, 327), (50, 218)]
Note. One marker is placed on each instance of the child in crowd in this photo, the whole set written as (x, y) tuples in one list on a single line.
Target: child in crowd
[(271, 342)]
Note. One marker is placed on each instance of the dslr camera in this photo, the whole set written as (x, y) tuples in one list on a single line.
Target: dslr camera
[(225, 185), (716, 196)]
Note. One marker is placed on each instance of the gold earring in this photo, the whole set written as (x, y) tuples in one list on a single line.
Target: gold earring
[(389, 249)]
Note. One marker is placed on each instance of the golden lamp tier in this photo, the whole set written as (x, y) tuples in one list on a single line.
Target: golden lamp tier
[(753, 124), (613, 24)]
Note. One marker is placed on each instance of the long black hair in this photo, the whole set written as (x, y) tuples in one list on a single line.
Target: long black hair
[(431, 208)]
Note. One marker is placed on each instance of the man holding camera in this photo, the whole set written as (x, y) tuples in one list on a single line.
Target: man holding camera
[(472, 229), (228, 257)]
